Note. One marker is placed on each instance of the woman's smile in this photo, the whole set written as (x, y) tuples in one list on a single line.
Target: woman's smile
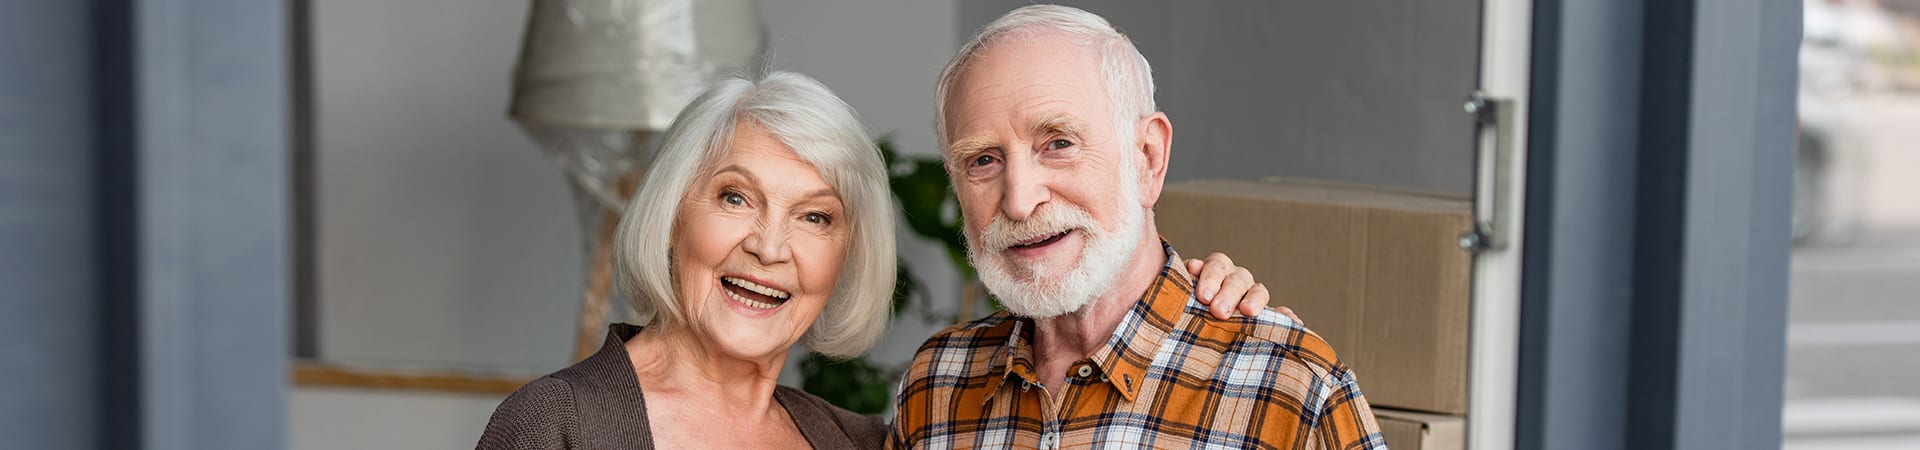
[(750, 293)]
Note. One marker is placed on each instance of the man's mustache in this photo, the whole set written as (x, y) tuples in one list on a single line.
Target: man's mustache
[(1049, 219)]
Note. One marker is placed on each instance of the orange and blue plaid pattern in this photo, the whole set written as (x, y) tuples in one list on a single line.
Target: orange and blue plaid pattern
[(1171, 376)]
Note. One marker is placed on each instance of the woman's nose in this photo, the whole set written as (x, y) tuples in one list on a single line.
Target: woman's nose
[(768, 243)]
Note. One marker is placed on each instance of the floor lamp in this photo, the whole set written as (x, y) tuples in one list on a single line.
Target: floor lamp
[(596, 82)]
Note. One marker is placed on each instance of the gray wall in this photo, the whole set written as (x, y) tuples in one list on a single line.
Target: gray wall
[(446, 239), (882, 57), (1366, 92)]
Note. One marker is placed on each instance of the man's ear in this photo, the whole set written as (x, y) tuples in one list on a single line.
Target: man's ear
[(1154, 134)]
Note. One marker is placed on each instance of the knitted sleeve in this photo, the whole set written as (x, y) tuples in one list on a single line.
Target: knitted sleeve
[(539, 416)]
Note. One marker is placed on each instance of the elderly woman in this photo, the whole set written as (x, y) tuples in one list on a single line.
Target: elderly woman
[(765, 220)]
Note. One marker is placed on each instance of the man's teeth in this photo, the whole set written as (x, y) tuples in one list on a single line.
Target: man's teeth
[(756, 287), (1037, 239)]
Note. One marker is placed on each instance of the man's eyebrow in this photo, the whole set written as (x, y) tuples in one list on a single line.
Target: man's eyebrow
[(965, 148), (1062, 123)]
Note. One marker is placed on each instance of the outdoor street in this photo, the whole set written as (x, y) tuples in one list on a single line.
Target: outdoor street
[(1853, 361)]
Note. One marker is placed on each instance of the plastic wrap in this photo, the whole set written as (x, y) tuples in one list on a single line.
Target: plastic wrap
[(627, 64)]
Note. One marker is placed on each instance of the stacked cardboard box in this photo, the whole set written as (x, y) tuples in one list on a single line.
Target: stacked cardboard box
[(1378, 273), (1407, 430)]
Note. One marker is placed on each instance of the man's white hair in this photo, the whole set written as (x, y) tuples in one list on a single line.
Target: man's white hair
[(1129, 79)]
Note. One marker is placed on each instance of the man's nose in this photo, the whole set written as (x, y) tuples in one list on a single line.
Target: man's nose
[(1026, 190), (768, 243)]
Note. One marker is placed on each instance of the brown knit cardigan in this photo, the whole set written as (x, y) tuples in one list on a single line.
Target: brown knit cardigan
[(597, 404)]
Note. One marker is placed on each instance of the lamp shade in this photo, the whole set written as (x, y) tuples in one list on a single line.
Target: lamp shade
[(627, 64)]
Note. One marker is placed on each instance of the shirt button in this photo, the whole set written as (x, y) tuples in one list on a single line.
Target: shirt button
[(1050, 440), (1086, 371)]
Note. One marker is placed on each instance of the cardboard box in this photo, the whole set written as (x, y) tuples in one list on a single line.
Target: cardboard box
[(1407, 430), (1378, 273)]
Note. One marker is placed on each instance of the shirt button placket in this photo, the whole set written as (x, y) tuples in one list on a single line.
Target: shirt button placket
[(1050, 434)]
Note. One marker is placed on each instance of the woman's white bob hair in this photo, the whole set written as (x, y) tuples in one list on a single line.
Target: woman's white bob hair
[(825, 132)]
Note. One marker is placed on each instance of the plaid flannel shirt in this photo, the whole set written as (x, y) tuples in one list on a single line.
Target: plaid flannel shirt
[(1171, 376)]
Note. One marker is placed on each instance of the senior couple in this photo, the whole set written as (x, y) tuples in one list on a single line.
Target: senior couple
[(765, 220)]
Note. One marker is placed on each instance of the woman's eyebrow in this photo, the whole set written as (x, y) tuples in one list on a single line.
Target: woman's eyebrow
[(819, 193), (740, 170)]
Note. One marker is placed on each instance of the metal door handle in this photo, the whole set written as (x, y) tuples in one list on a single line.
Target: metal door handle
[(1492, 150)]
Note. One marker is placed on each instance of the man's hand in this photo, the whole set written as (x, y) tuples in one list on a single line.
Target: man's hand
[(1218, 278)]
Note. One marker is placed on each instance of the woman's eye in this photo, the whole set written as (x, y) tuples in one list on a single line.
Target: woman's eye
[(733, 198), (1057, 144), (817, 218), (983, 160)]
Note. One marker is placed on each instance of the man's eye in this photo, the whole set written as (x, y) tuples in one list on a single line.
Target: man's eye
[(983, 160), (1057, 144), (817, 218), (733, 198)]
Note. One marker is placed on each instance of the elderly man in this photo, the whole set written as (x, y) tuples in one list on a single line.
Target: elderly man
[(1057, 155)]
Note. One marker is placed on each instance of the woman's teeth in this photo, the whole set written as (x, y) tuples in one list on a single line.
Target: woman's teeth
[(774, 296), (756, 287), (750, 302)]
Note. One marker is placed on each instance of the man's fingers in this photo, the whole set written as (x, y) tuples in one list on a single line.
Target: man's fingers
[(1193, 267), (1256, 300), (1233, 294), (1218, 266)]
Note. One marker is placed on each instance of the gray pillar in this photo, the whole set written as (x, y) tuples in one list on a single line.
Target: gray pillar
[(1654, 291), (47, 251), (144, 224), (214, 195)]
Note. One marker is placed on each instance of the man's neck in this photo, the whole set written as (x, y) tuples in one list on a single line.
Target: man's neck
[(1061, 340)]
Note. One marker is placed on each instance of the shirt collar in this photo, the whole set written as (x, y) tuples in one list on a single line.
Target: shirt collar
[(1124, 359)]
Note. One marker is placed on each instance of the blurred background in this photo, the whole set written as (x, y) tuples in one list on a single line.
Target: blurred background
[(444, 249), (429, 251), (1854, 332)]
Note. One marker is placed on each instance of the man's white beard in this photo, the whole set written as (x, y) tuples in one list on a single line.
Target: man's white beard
[(1031, 291)]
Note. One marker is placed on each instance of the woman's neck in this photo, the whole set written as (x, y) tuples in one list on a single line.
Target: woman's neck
[(674, 362)]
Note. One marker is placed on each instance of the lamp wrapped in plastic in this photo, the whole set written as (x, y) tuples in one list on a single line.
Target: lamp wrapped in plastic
[(597, 79)]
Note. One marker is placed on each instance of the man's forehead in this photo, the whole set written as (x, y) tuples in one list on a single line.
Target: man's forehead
[(1023, 75)]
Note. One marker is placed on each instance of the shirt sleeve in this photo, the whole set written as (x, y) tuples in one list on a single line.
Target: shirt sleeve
[(539, 416), (1346, 421)]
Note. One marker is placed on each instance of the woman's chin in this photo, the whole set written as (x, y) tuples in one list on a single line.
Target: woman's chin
[(753, 352), (749, 343)]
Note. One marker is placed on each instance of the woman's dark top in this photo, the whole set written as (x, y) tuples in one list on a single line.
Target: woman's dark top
[(597, 404)]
